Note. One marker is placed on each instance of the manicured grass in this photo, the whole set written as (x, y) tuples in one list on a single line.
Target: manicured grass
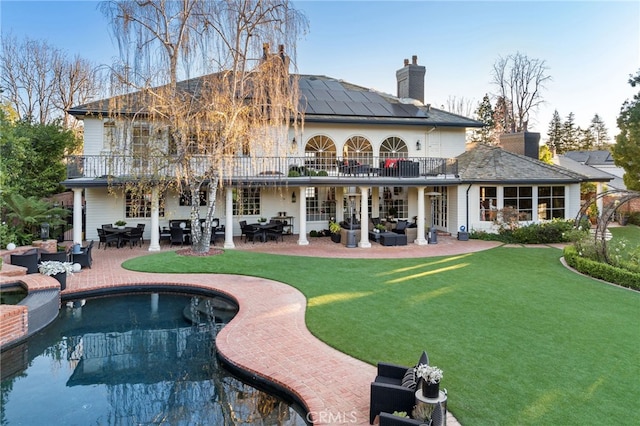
[(630, 232), (521, 339)]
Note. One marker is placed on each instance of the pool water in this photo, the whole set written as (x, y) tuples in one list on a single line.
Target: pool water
[(12, 295), (132, 359)]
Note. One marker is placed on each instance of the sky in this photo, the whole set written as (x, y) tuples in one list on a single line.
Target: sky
[(591, 48)]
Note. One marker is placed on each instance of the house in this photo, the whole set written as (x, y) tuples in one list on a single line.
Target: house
[(361, 154)]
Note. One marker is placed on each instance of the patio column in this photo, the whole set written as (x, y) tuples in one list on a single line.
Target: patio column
[(77, 216), (420, 240), (228, 219), (302, 213), (375, 201), (364, 218), (339, 204), (154, 241)]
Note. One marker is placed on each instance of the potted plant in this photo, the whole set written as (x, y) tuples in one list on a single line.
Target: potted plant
[(430, 378), (120, 224), (262, 220), (335, 228), (58, 270), (380, 228), (392, 213)]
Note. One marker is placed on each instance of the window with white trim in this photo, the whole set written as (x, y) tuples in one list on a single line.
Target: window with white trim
[(139, 205), (519, 198), (246, 201), (551, 202)]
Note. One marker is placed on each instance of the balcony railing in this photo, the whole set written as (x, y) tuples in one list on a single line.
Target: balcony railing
[(267, 168)]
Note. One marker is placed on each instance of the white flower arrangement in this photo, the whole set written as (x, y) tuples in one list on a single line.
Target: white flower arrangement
[(431, 374), (54, 267)]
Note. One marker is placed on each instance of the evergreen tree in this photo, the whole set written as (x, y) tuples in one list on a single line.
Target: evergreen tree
[(484, 113), (626, 150), (570, 134), (500, 119), (555, 134), (599, 133), (587, 140)]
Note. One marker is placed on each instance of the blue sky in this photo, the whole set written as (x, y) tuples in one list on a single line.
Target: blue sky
[(590, 47)]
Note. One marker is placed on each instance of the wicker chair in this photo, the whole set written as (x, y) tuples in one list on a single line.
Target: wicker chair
[(388, 394), (60, 256), (437, 418), (27, 260), (84, 257)]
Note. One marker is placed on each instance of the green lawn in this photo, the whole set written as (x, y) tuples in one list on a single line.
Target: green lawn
[(630, 232), (521, 339)]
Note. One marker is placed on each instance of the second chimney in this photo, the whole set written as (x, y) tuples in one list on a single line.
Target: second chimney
[(410, 80)]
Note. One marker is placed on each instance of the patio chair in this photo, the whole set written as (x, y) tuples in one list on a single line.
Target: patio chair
[(177, 235), (251, 232), (437, 418), (60, 256), (27, 260), (84, 258), (394, 388), (165, 234), (107, 238), (133, 237), (401, 226), (275, 233)]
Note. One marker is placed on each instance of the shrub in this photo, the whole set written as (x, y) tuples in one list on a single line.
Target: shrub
[(601, 270), (555, 231), (634, 218), (323, 173), (294, 173), (313, 233)]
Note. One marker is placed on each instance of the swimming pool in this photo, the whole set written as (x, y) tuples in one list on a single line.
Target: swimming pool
[(132, 359)]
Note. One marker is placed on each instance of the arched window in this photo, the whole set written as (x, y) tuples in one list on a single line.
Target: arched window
[(393, 147), (358, 148), (320, 153)]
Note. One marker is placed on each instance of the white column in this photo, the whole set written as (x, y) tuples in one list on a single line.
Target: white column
[(228, 219), (420, 240), (302, 213), (77, 215), (375, 201), (339, 204), (600, 200), (364, 218), (154, 241)]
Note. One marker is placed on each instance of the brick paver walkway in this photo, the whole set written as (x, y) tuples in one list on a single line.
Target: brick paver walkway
[(268, 336)]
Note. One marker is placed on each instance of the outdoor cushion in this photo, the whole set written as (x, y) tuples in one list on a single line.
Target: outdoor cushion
[(409, 379)]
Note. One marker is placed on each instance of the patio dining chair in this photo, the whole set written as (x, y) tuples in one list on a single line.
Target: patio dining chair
[(177, 235), (107, 238), (133, 237)]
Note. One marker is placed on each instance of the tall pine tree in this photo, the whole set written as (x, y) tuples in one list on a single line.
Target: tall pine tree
[(555, 134), (599, 133), (484, 113)]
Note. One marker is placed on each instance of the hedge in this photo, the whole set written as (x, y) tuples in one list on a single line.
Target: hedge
[(601, 270)]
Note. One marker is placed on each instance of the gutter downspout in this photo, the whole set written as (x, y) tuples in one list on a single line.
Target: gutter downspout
[(468, 207)]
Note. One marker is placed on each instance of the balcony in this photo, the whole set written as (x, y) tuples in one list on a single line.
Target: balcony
[(277, 170)]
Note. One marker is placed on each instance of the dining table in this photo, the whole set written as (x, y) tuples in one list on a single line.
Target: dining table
[(119, 232), (264, 228)]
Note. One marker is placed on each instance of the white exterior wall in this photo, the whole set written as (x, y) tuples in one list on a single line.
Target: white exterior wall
[(101, 208), (93, 136), (443, 143)]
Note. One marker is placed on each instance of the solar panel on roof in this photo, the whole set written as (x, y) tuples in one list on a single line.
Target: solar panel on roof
[(323, 95), (358, 108), (335, 85), (340, 108), (340, 96), (320, 107), (380, 110), (356, 96)]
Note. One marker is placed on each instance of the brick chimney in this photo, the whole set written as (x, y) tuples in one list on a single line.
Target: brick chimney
[(411, 80), (523, 143)]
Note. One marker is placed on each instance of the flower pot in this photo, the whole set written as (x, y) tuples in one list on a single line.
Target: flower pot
[(335, 238), (62, 279), (430, 390)]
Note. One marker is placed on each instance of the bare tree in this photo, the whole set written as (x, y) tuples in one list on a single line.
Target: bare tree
[(520, 80), (41, 82), (243, 103), (460, 106)]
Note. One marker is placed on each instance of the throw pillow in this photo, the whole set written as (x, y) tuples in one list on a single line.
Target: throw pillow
[(409, 379), (424, 359)]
